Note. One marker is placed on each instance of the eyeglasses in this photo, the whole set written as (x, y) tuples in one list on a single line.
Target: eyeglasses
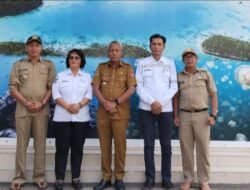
[(74, 57)]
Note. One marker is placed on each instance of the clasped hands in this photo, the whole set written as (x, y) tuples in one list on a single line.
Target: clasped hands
[(110, 106), (73, 108), (33, 106), (156, 107)]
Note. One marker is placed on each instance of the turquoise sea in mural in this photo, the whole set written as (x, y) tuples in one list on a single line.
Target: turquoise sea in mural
[(64, 25)]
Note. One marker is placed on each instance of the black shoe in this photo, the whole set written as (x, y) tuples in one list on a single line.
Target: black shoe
[(59, 185), (76, 184), (149, 183), (119, 185), (167, 184), (103, 184)]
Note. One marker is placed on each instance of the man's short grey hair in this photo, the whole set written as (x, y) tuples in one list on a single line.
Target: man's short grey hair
[(115, 42)]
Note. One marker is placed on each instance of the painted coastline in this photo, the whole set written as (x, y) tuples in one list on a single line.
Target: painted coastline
[(227, 47), (94, 50)]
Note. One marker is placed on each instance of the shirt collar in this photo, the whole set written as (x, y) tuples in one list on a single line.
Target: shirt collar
[(120, 64), (161, 60), (196, 70), (69, 72), (40, 59)]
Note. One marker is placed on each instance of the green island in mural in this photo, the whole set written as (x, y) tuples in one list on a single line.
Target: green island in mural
[(16, 7), (227, 47), (94, 50)]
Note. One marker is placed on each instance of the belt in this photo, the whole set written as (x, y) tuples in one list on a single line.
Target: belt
[(193, 111)]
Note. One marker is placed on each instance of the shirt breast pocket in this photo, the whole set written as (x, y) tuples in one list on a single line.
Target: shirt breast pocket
[(120, 81), (43, 74), (166, 72), (200, 86), (82, 87)]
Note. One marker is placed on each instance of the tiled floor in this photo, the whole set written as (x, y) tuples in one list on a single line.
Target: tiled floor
[(5, 186)]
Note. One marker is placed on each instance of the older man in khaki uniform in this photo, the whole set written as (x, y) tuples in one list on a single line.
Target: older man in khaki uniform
[(114, 82), (195, 87), (30, 84)]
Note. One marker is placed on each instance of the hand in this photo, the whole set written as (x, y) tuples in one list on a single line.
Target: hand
[(74, 108), (176, 121), (34, 106), (211, 121), (156, 107), (110, 106)]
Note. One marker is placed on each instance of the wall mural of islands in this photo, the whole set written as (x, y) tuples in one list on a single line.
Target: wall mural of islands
[(218, 31)]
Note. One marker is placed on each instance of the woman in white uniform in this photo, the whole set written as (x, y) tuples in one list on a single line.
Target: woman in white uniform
[(72, 93)]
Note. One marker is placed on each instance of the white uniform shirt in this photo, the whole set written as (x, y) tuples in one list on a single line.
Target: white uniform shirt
[(156, 80), (72, 89)]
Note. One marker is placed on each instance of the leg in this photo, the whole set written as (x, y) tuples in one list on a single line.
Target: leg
[(78, 136), (119, 130), (23, 131), (202, 137), (62, 135), (105, 136), (165, 121), (187, 145), (39, 133), (147, 124)]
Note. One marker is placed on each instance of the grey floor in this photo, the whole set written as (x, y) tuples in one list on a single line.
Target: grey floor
[(130, 186)]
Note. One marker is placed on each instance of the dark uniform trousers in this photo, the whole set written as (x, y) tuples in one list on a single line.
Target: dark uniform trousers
[(106, 130), (25, 127), (69, 135), (148, 123)]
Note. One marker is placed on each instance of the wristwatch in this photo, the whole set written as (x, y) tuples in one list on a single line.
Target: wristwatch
[(80, 104), (213, 116), (117, 102)]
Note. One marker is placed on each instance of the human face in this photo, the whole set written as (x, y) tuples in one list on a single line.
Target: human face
[(190, 60), (34, 49), (157, 46), (74, 61), (115, 52)]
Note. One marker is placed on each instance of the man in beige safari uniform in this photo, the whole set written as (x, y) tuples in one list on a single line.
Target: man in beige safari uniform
[(30, 84), (196, 86)]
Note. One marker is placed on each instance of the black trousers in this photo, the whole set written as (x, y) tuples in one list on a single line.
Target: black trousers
[(148, 123), (69, 135)]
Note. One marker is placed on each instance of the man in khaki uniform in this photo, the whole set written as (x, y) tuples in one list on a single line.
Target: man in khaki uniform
[(30, 84), (114, 82), (195, 88)]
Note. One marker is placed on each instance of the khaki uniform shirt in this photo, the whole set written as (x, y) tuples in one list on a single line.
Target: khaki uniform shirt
[(32, 81), (194, 89), (113, 82)]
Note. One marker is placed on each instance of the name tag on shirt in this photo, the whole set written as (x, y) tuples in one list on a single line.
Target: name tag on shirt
[(147, 71)]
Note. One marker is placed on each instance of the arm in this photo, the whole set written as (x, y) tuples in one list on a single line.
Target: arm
[(126, 94), (108, 105), (88, 96), (173, 87), (38, 105), (213, 99), (214, 108), (131, 83), (14, 84), (176, 109), (144, 96), (20, 98)]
